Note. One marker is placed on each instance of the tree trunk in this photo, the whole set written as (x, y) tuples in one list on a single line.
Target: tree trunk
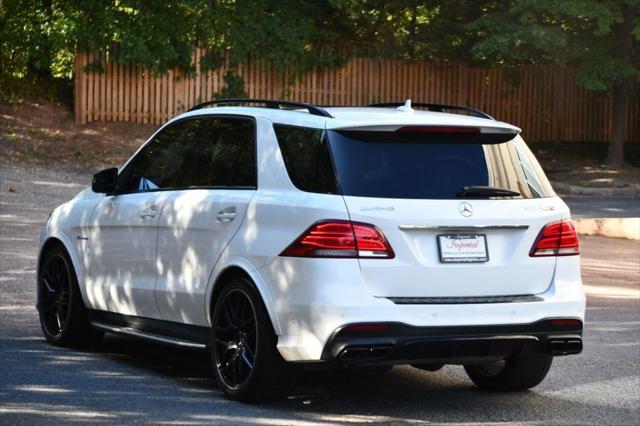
[(615, 157), (624, 36)]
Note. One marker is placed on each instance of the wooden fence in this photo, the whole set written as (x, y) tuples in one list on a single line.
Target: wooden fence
[(544, 101)]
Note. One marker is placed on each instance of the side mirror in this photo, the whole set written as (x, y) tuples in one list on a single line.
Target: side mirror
[(105, 182)]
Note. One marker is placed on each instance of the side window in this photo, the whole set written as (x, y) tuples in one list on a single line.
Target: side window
[(226, 154), (164, 162), (307, 158), (533, 173)]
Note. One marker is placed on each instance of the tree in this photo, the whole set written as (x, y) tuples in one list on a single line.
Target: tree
[(600, 37), (414, 29), (38, 38)]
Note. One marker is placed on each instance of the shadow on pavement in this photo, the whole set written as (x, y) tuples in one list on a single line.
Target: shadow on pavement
[(128, 380)]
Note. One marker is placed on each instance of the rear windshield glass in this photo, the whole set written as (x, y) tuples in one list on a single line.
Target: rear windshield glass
[(388, 165)]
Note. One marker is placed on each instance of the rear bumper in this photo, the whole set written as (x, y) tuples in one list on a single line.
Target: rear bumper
[(394, 343), (315, 297)]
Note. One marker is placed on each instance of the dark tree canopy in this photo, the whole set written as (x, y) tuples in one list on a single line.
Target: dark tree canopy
[(601, 38)]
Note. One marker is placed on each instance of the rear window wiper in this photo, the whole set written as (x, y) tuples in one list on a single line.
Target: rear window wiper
[(485, 191)]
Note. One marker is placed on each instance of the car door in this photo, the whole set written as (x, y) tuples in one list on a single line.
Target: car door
[(197, 223), (123, 230)]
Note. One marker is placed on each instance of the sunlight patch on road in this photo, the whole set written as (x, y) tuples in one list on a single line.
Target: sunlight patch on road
[(608, 265), (48, 411), (319, 420), (16, 308), (19, 271), (42, 389), (64, 185), (614, 292)]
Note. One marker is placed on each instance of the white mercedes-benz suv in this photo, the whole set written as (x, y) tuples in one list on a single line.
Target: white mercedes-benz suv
[(284, 234)]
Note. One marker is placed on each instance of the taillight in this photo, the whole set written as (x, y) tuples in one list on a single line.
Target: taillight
[(340, 238), (557, 239)]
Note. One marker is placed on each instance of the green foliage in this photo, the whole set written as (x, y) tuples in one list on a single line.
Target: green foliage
[(297, 34), (233, 86), (414, 29), (211, 60), (585, 33), (38, 38)]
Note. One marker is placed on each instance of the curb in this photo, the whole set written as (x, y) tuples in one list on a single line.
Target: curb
[(566, 189), (624, 227)]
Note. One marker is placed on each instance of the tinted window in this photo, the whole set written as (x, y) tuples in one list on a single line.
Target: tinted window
[(226, 154), (307, 158), (533, 173), (161, 164), (388, 165), (202, 152)]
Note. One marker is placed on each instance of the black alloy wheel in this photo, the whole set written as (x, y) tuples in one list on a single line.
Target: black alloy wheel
[(236, 338), (54, 295), (63, 315), (246, 362)]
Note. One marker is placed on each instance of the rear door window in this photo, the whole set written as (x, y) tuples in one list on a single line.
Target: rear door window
[(388, 165), (225, 156)]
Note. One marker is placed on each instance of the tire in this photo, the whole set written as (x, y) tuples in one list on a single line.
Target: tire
[(63, 316), (246, 362), (513, 374)]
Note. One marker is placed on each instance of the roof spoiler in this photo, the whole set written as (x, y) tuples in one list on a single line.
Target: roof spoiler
[(487, 135)]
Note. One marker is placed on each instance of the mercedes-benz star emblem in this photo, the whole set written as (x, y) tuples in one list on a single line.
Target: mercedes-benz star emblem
[(465, 209)]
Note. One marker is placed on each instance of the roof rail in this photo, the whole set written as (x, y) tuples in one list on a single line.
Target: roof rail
[(435, 107), (268, 103)]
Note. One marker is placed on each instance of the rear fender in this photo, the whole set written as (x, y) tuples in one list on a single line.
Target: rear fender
[(247, 268)]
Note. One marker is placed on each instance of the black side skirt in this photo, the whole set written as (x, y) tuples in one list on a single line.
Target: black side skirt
[(173, 330)]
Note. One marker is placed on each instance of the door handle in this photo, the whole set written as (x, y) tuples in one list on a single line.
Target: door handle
[(148, 214), (226, 215)]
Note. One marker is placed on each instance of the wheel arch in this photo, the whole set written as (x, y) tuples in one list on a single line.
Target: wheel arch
[(240, 267), (61, 240)]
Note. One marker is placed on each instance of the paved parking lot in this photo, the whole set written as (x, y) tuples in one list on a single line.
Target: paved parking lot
[(589, 207), (129, 381)]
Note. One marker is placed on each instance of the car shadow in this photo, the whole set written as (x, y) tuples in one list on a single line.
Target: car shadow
[(124, 379)]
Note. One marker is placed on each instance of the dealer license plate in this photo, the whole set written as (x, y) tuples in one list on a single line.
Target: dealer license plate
[(458, 248)]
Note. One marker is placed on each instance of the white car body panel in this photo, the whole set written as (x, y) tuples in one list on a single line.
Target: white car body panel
[(121, 248), (194, 229), (416, 270), (166, 267)]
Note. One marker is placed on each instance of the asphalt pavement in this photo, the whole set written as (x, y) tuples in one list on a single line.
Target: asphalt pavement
[(597, 207), (125, 380)]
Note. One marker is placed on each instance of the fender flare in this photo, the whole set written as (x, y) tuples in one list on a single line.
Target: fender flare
[(248, 268)]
